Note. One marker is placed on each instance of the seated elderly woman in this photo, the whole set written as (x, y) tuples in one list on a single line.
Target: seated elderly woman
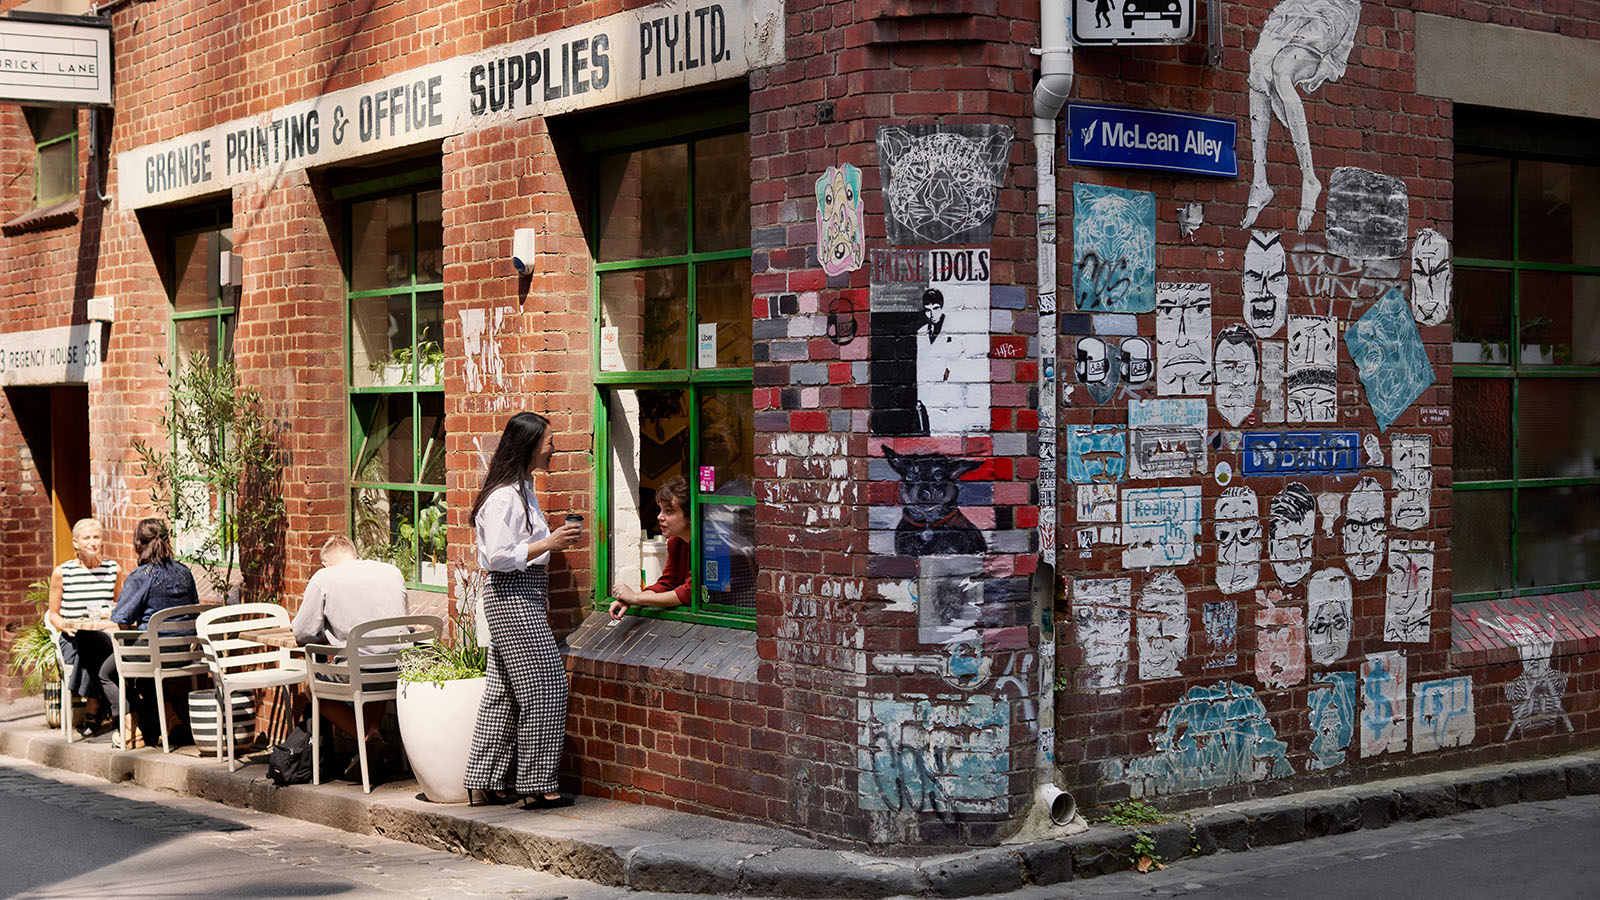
[(160, 582), (81, 589)]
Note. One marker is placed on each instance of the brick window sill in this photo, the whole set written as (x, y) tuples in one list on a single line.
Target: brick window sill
[(699, 657), (60, 215), (1489, 632)]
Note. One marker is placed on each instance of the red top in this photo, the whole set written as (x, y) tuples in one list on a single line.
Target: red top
[(675, 578)]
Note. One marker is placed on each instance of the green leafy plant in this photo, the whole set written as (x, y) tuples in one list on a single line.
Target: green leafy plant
[(221, 482), (1132, 812), (1144, 852), (428, 356), (457, 656), (430, 533), (33, 652)]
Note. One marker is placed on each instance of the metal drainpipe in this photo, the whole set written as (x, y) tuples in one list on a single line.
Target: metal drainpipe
[(1049, 96)]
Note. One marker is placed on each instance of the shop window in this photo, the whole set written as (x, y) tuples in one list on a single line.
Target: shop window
[(396, 374), (1526, 354), (673, 364), (55, 141)]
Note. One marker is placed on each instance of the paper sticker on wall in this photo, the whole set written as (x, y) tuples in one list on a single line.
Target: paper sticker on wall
[(1432, 278), (1221, 623), (1213, 737), (1413, 480), (1367, 214), (949, 596), (706, 345), (1190, 217), (1291, 524), (1183, 339), (1363, 533), (1097, 503), (930, 342), (841, 228), (1312, 369), (1097, 368), (1237, 524), (1374, 449), (1163, 631), (1329, 614), (1237, 373), (1536, 695), (1280, 642), (1159, 526), (1388, 353), (610, 351), (1096, 454), (941, 183), (1409, 594), (1113, 249), (1333, 718), (1272, 382), (1301, 452), (1167, 438), (1383, 704), (1442, 715), (1266, 284), (1223, 474), (1137, 362), (1101, 615)]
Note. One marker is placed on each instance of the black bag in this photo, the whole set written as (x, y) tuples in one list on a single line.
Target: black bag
[(290, 761)]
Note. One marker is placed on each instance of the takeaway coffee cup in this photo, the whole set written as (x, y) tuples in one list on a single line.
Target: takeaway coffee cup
[(575, 519)]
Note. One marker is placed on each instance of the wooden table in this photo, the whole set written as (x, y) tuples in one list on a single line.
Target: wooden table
[(273, 637)]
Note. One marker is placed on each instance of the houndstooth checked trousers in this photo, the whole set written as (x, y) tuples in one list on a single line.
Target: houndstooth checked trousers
[(516, 744)]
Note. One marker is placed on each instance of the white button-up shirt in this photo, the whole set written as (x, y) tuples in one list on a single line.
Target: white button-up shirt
[(503, 529)]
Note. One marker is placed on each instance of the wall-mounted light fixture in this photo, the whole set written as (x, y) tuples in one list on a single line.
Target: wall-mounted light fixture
[(522, 250)]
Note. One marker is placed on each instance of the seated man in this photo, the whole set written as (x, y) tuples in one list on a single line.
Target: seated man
[(672, 589), (344, 593)]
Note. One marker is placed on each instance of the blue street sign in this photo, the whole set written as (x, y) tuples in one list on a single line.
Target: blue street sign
[(1151, 139)]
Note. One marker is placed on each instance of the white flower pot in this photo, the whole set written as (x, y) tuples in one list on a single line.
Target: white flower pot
[(435, 573), (436, 723)]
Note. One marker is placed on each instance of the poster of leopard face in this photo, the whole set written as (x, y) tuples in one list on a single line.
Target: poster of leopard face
[(941, 183)]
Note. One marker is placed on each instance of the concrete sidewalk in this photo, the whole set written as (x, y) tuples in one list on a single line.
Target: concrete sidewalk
[(649, 849)]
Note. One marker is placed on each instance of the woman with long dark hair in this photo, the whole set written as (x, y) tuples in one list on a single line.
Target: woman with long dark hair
[(516, 744), (158, 583)]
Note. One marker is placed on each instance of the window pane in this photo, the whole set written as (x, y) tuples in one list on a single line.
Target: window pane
[(384, 526), (432, 540), (195, 341), (1482, 316), (728, 554), (644, 203), (430, 463), (380, 243), (649, 446), (722, 301), (379, 328), (1558, 536), (1558, 428), (722, 193), (1483, 207), (649, 309), (1560, 319), (429, 353), (1483, 429), (58, 170), (727, 442), (383, 438), (430, 237), (1558, 221), (196, 271), (1480, 541)]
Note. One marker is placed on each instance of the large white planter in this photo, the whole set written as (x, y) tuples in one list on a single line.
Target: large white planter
[(436, 724)]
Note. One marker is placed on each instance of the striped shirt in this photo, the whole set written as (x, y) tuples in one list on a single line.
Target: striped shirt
[(83, 591)]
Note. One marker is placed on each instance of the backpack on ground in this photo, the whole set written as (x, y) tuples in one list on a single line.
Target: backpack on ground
[(290, 761)]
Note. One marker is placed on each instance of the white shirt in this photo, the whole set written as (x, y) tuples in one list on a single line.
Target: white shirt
[(503, 531), (342, 596)]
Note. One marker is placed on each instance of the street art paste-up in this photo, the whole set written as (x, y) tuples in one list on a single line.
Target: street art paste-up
[(930, 342), (1166, 438), (1290, 525), (1374, 448), (1409, 592), (1328, 506), (1442, 715), (1213, 737), (931, 524), (1237, 373), (1096, 454), (1223, 473), (949, 594), (1280, 641), (1113, 248), (1183, 339), (1190, 217), (1273, 410), (1303, 44), (1159, 526), (1265, 284), (941, 183), (1097, 503), (1096, 368), (1333, 719), (1535, 695), (1314, 272), (1101, 615), (1137, 362), (841, 227), (1313, 369), (925, 756), (1237, 524), (1221, 623), (1413, 480), (1383, 703), (1163, 631), (1367, 215), (1363, 534), (1432, 277), (1328, 604), (1301, 453), (1389, 355), (841, 328)]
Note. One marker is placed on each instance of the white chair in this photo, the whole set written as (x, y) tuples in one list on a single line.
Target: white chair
[(240, 664), (67, 730), (361, 671), (167, 647)]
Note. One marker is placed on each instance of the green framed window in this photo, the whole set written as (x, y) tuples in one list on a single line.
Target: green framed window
[(55, 142), (395, 363), (1526, 360), (673, 358)]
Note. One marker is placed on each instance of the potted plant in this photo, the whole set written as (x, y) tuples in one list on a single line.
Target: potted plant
[(431, 539), (393, 369), (33, 656), (440, 688)]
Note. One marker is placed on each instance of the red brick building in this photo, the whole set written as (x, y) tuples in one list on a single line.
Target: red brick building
[(1272, 501)]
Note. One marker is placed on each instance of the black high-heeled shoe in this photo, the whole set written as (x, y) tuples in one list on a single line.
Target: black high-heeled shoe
[(491, 797)]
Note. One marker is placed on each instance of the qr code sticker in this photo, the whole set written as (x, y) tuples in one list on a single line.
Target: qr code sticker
[(711, 570)]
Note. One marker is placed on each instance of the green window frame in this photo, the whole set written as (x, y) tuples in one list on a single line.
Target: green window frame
[(707, 396), (1525, 359), (394, 338), (55, 158)]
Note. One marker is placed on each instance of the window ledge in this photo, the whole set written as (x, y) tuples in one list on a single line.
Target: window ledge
[(692, 648), (1488, 632), (49, 218)]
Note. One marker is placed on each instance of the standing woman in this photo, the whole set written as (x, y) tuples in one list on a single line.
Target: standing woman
[(516, 744), (84, 588)]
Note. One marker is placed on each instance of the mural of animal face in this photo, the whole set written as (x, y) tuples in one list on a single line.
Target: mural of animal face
[(931, 523), (1238, 528), (1431, 277), (1266, 284), (1238, 374), (1294, 515), (1362, 535), (1328, 631), (942, 185), (841, 236)]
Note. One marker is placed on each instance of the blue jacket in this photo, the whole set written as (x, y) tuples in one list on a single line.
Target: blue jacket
[(153, 587)]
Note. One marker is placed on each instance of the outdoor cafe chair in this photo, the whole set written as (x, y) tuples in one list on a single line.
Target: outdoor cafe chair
[(238, 663), (67, 731), (363, 670), (167, 647)]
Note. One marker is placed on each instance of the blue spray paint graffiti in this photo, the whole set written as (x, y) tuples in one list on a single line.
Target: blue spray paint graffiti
[(1114, 249), (1214, 736), (1383, 704), (1333, 719), (1295, 452), (1442, 714), (940, 758), (1389, 354), (1096, 455)]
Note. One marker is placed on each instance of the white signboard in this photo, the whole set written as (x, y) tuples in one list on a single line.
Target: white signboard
[(664, 47), (69, 354), (1132, 21), (44, 62)]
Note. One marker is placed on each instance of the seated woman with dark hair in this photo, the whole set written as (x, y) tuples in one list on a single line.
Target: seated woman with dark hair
[(160, 582), (673, 587)]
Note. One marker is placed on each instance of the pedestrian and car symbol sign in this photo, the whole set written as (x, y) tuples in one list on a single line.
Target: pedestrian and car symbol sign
[(1132, 21)]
